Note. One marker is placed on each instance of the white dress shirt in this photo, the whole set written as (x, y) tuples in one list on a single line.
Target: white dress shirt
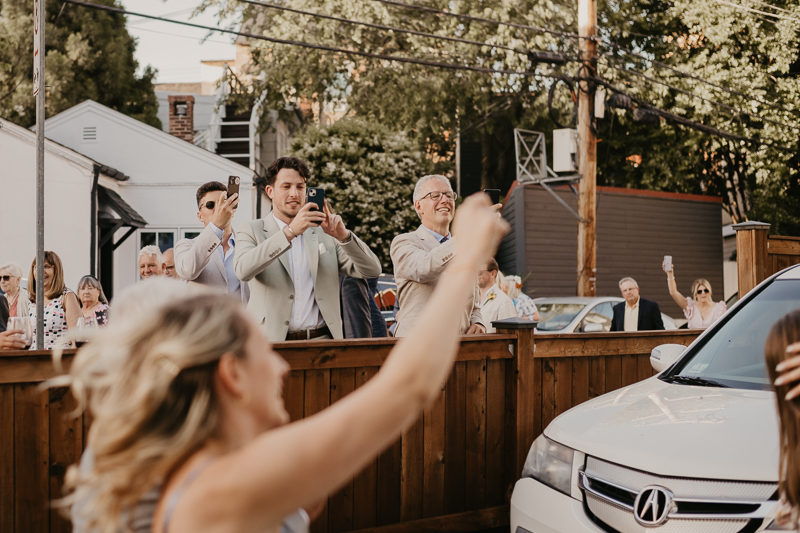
[(496, 305), (234, 285), (632, 317), (305, 311)]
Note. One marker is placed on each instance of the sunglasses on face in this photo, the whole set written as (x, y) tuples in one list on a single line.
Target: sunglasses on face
[(209, 205), (703, 291), (5, 278)]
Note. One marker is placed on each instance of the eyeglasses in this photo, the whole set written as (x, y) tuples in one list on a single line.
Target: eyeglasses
[(703, 291), (209, 205), (436, 196), (5, 278)]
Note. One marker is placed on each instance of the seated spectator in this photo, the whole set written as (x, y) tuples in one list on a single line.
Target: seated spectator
[(495, 304), (93, 300), (700, 312), (10, 278), (61, 307), (168, 267), (151, 262), (187, 401), (522, 302)]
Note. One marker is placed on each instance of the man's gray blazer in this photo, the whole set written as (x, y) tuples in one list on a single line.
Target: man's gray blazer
[(261, 260), (419, 259), (199, 260)]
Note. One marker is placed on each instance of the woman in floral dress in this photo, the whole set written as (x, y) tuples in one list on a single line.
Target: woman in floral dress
[(61, 307)]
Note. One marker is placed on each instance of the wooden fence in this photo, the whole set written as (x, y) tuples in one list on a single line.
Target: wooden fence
[(452, 471), (760, 255)]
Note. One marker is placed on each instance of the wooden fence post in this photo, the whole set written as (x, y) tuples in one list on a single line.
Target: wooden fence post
[(751, 254), (521, 386)]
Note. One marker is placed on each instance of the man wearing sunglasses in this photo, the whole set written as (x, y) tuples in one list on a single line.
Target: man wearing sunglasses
[(635, 313), (421, 256), (208, 258)]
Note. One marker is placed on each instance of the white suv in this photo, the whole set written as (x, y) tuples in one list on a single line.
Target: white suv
[(694, 449)]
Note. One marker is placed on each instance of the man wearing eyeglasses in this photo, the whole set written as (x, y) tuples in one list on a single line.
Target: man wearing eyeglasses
[(421, 256), (208, 258), (635, 313)]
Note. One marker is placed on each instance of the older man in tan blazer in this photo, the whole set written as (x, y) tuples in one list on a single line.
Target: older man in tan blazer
[(421, 256)]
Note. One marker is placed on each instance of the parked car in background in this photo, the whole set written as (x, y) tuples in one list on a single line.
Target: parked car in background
[(694, 448), (574, 314), (386, 297)]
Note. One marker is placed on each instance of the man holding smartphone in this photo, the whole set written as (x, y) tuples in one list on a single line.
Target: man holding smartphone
[(292, 259), (208, 258)]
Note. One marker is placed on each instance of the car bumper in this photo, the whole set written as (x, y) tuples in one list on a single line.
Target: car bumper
[(537, 508)]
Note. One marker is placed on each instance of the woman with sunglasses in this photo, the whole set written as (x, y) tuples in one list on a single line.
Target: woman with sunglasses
[(699, 309), (10, 277)]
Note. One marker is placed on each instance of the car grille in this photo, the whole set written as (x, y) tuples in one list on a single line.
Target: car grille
[(697, 505)]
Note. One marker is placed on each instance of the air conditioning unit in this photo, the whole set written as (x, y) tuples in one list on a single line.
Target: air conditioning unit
[(565, 150)]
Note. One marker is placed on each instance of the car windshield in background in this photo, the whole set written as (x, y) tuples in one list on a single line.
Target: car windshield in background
[(733, 355), (557, 316)]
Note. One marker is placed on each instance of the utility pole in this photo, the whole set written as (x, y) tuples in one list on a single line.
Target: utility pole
[(587, 166), (39, 93)]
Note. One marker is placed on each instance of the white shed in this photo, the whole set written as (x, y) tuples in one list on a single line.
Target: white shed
[(164, 173)]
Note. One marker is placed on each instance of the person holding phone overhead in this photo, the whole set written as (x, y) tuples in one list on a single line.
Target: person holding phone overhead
[(208, 258), (699, 308), (292, 259)]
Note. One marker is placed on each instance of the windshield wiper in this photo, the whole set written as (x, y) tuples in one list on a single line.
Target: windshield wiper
[(700, 382)]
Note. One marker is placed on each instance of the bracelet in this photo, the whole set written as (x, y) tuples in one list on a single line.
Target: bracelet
[(673, 277), (290, 229)]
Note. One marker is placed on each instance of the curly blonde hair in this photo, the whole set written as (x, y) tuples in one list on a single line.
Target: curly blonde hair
[(149, 385)]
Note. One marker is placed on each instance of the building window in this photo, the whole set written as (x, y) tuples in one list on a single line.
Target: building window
[(163, 238)]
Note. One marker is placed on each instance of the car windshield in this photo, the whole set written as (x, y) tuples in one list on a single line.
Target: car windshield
[(733, 355), (555, 316)]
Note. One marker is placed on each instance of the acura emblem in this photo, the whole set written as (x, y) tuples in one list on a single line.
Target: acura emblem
[(652, 506)]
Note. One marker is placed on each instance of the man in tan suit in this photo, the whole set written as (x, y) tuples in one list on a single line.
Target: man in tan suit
[(421, 256), (293, 257), (208, 258)]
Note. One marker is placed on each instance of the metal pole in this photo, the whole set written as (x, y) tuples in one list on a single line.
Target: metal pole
[(587, 198), (38, 90)]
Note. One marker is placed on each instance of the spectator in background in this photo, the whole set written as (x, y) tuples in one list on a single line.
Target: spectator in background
[(3, 312), (169, 263), (10, 341), (635, 313), (93, 300), (61, 307), (151, 262), (699, 309), (10, 278), (522, 302), (495, 304), (354, 301), (378, 322)]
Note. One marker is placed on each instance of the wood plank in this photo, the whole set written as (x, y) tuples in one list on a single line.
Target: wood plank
[(613, 372), (600, 344), (494, 517), (66, 445), (31, 451), (6, 457), (645, 368), (580, 380), (340, 504), (630, 369), (495, 432), (29, 369), (476, 435), (317, 392), (433, 459), (563, 385), (364, 484), (548, 392), (537, 367), (455, 463), (782, 246), (294, 394), (389, 480), (597, 376), (412, 468)]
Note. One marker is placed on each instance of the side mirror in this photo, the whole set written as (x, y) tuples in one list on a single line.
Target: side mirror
[(662, 357), (593, 328)]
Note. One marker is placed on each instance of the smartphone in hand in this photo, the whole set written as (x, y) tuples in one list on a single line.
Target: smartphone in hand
[(233, 185), (316, 196), (494, 195), (668, 263)]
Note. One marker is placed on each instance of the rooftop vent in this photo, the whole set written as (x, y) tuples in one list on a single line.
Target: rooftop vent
[(89, 134)]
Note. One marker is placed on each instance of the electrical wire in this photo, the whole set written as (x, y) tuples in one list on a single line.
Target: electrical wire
[(382, 27), (751, 10), (384, 57), (776, 8)]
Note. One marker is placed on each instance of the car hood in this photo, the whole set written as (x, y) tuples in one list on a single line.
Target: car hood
[(678, 430)]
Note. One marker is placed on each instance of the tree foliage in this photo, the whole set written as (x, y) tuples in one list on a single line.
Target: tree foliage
[(368, 173), (89, 57)]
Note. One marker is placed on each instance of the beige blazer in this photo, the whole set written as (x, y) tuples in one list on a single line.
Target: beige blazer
[(261, 260), (419, 259), (199, 260)]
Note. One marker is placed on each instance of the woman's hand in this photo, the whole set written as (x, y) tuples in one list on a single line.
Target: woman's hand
[(790, 371), (10, 341), (664, 268)]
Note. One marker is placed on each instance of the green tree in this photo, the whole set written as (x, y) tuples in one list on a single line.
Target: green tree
[(368, 173), (89, 57)]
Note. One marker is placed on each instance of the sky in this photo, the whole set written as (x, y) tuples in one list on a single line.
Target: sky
[(176, 51)]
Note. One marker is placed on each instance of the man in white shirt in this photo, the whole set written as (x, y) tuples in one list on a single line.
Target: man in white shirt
[(495, 304), (208, 258), (293, 257)]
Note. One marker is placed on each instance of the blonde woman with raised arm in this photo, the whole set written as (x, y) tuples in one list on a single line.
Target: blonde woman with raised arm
[(192, 405), (699, 308)]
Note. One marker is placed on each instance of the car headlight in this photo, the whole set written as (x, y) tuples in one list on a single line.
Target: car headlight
[(550, 463)]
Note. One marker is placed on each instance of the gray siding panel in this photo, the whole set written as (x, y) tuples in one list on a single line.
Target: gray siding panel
[(633, 235)]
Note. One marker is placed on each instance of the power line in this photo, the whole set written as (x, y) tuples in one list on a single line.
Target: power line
[(776, 8), (382, 27), (480, 19), (384, 57), (751, 10)]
